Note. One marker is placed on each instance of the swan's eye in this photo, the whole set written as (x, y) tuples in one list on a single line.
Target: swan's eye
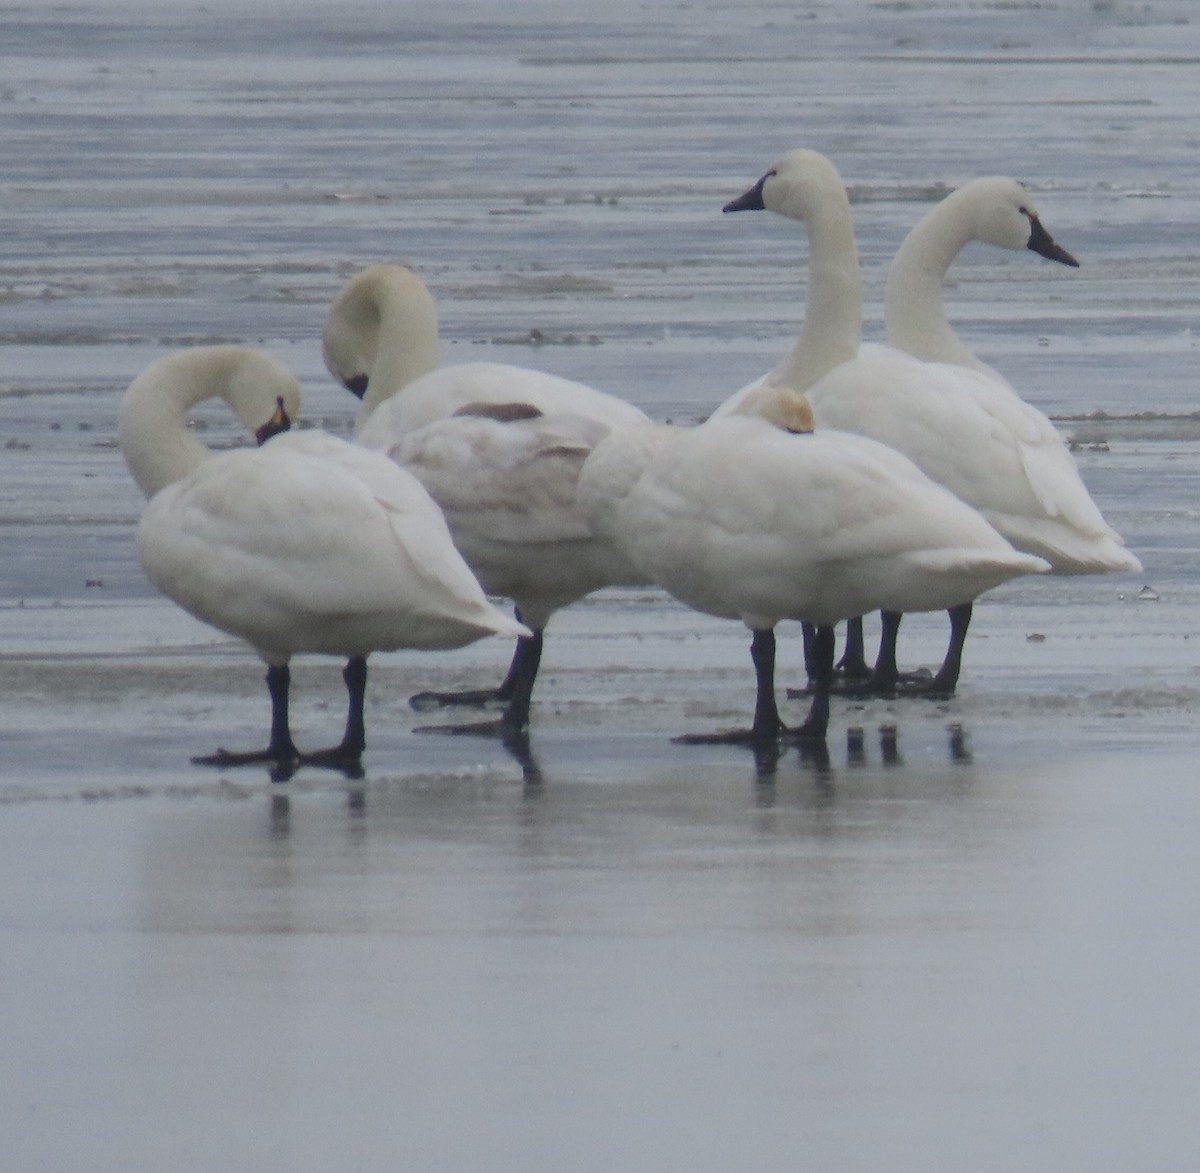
[(1023, 210)]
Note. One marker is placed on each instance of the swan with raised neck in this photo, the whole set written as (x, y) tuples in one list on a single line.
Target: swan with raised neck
[(994, 210), (804, 185)]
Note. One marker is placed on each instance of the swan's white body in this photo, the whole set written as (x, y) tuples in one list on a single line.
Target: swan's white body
[(505, 480), (742, 519), (310, 544), (507, 489), (954, 417), (307, 544), (498, 447)]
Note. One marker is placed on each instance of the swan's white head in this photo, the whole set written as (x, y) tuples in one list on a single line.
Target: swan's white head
[(798, 186), (999, 212), (263, 393), (382, 327)]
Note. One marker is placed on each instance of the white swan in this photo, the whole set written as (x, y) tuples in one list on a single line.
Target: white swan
[(753, 516), (965, 428), (306, 544), (498, 447)]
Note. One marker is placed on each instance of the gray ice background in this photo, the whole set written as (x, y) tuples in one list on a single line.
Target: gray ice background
[(973, 945)]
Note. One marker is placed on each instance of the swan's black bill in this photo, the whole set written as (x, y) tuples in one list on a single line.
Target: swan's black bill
[(750, 201), (357, 385), (279, 422), (1042, 243)]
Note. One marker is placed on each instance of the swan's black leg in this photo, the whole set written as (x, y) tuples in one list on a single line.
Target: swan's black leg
[(518, 684), (816, 724), (349, 752), (767, 725), (852, 672), (853, 664), (281, 748), (521, 678), (943, 684), (518, 668), (884, 676)]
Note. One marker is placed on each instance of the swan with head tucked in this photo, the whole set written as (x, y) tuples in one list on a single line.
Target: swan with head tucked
[(754, 516), (963, 426), (305, 544), (499, 448)]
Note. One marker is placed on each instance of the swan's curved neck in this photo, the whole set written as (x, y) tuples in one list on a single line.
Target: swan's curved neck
[(406, 340), (916, 318), (832, 329), (152, 423), (153, 431)]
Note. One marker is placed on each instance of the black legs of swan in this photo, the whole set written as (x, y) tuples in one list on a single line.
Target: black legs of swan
[(516, 690), (767, 725), (885, 679), (281, 750)]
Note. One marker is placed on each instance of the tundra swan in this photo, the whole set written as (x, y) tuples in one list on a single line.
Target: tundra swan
[(306, 544), (965, 428), (754, 516), (499, 448)]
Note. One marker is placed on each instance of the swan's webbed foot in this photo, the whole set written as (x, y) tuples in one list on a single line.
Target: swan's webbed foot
[(810, 733), (755, 736), (273, 755), (925, 684), (503, 728), (851, 668), (347, 759), (477, 697)]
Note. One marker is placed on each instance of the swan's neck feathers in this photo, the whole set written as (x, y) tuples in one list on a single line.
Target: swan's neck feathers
[(916, 318), (832, 329), (152, 424), (397, 320)]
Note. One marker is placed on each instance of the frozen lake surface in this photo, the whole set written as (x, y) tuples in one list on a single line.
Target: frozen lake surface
[(965, 938)]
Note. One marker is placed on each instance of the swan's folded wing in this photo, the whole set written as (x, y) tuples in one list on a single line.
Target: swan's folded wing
[(513, 482), (277, 536), (966, 431)]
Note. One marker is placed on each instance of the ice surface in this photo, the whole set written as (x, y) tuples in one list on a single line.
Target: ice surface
[(967, 939)]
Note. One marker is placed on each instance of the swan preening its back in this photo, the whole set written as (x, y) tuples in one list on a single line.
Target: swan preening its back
[(305, 544), (957, 420), (498, 447)]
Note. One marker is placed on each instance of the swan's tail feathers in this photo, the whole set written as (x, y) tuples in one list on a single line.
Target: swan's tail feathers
[(1067, 549), (997, 566), (506, 625)]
